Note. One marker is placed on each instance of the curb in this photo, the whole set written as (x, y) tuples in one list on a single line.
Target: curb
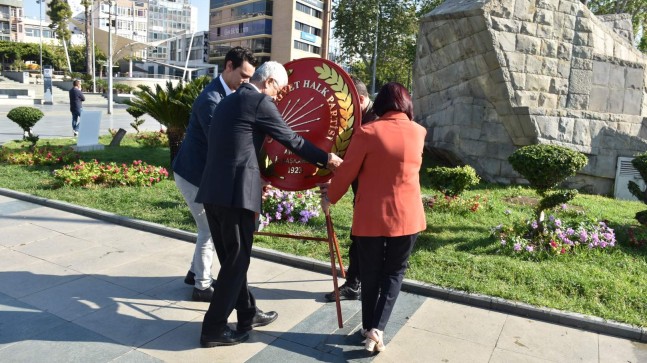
[(569, 319)]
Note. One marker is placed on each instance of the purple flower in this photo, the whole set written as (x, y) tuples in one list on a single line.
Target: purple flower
[(570, 231), (517, 247), (530, 248), (583, 235), (558, 222), (534, 225), (278, 216), (503, 242), (564, 206), (290, 219), (551, 218)]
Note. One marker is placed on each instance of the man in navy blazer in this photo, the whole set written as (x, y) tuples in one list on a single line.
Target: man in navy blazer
[(231, 192), (190, 160)]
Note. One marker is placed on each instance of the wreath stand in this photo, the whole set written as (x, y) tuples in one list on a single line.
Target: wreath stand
[(333, 248)]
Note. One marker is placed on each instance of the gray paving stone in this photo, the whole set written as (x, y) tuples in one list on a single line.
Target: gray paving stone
[(78, 298), (15, 206), (20, 321), (134, 322), (24, 233), (37, 276), (136, 356), (64, 343), (289, 351)]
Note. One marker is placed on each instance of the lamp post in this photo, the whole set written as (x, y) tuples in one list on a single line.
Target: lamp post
[(188, 54), (40, 25), (110, 57), (94, 59)]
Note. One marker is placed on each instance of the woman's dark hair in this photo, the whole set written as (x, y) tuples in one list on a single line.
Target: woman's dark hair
[(393, 97)]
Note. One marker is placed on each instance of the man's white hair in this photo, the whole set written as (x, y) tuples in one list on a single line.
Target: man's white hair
[(271, 69)]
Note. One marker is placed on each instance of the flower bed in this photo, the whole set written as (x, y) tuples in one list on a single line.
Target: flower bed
[(283, 206), (574, 234), (39, 155), (110, 175)]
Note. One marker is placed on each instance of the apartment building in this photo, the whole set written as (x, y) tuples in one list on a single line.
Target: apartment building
[(279, 30), (11, 20)]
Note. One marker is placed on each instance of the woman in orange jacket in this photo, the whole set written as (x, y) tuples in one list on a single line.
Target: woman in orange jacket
[(385, 156)]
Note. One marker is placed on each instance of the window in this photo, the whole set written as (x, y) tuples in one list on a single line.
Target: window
[(306, 47), (308, 10), (307, 28)]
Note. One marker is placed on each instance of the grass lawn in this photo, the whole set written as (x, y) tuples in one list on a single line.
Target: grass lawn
[(455, 251)]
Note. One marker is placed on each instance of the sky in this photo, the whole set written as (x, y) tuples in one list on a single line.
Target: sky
[(31, 10)]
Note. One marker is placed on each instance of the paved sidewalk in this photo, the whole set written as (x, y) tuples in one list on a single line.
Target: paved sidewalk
[(57, 121), (73, 288)]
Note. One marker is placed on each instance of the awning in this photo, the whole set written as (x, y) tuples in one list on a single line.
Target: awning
[(122, 47)]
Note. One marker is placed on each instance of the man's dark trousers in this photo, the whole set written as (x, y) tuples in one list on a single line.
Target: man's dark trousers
[(232, 230)]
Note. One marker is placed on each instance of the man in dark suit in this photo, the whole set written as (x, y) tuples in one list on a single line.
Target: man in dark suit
[(231, 192), (190, 160), (76, 105)]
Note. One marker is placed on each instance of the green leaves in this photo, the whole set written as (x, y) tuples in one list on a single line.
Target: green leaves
[(25, 117), (452, 181), (546, 166)]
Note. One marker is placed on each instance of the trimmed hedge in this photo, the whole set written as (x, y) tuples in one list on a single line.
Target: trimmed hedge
[(453, 181)]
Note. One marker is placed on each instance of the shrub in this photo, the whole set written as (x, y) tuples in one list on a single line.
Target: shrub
[(640, 163), (122, 88), (136, 113), (102, 85), (152, 139), (86, 174), (452, 181), (545, 167), (283, 206), (39, 155), (26, 117)]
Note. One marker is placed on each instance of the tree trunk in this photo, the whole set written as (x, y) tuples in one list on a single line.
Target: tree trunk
[(175, 137)]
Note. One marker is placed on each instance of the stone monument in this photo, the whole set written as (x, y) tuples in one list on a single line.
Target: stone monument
[(493, 75)]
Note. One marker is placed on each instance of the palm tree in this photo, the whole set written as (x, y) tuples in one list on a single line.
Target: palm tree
[(171, 107)]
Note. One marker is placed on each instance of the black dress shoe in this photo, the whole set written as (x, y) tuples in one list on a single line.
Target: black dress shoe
[(260, 319), (189, 279), (202, 295), (227, 337), (346, 292)]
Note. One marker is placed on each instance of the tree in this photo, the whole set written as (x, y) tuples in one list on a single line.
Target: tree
[(636, 8), (171, 107), (393, 24), (89, 67), (60, 13)]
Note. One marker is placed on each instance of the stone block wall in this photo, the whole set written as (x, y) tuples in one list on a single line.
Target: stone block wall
[(494, 75)]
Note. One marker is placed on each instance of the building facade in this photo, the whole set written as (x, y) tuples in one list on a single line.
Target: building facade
[(274, 30), (11, 20)]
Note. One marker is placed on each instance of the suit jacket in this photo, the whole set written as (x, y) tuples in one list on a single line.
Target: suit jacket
[(385, 155), (76, 99), (190, 160), (239, 125)]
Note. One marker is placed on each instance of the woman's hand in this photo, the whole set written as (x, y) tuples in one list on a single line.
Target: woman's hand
[(325, 202)]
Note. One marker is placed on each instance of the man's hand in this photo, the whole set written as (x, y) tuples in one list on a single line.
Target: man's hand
[(333, 162), (265, 188)]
